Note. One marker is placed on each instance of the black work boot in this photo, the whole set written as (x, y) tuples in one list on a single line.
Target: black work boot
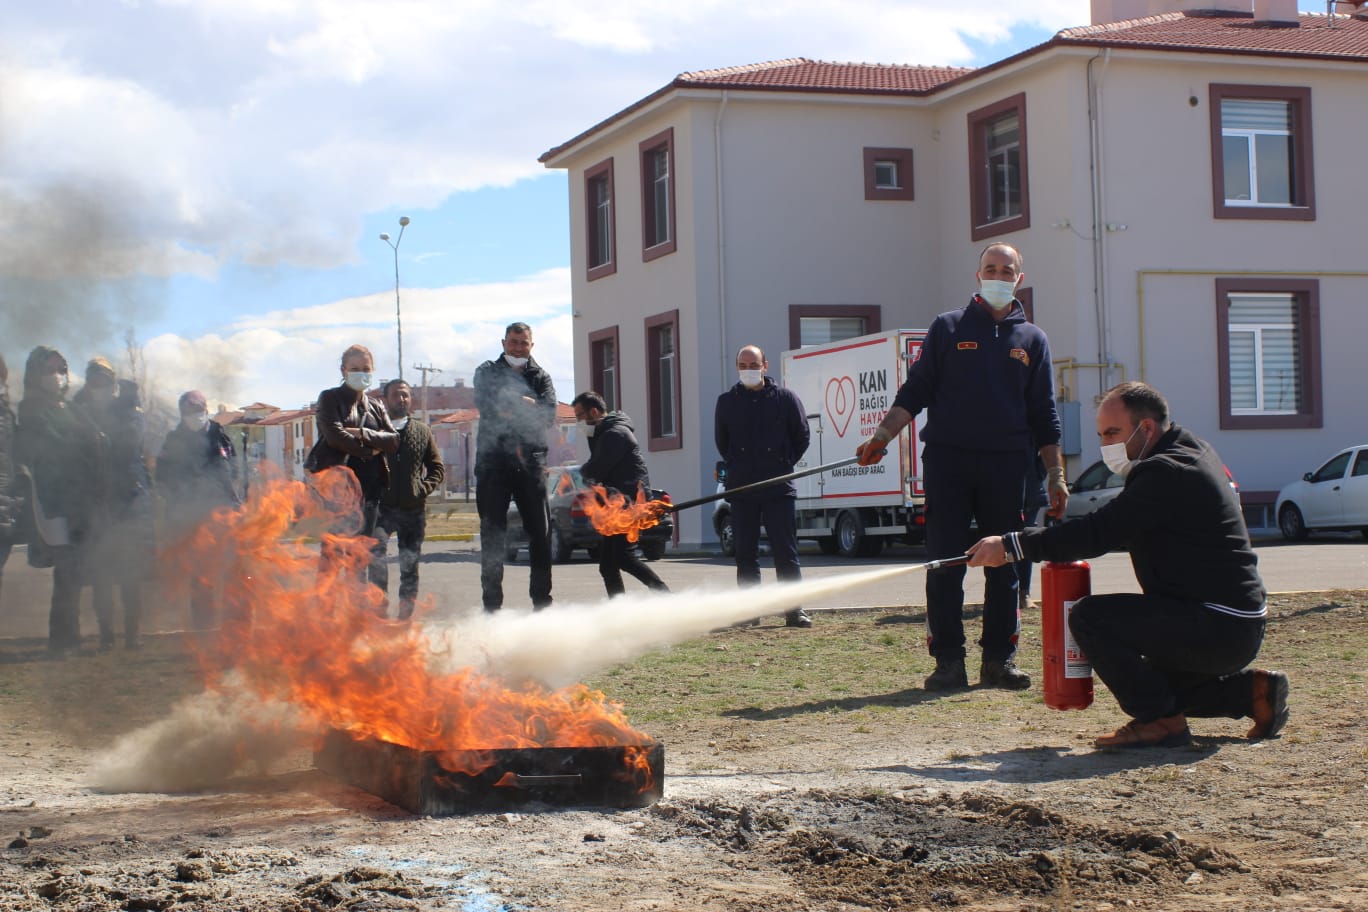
[(949, 675), (797, 618), (1004, 675)]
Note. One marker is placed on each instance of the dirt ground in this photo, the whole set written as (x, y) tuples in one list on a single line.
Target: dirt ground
[(838, 801)]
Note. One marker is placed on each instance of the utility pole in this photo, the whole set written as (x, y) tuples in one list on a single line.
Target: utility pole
[(426, 369)]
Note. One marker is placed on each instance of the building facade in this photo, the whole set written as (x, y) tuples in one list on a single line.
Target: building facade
[(1179, 178)]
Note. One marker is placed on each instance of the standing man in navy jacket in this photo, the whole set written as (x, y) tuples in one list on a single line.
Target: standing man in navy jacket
[(985, 380), (761, 432)]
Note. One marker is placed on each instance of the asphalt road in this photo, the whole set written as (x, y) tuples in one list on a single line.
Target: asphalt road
[(450, 572)]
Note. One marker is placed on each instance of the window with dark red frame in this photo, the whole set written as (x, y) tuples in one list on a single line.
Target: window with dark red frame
[(887, 173), (818, 324), (1261, 161), (662, 382), (657, 195), (999, 191), (600, 221), (604, 374), (1268, 353)]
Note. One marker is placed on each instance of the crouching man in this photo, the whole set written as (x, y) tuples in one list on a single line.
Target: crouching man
[(1183, 647)]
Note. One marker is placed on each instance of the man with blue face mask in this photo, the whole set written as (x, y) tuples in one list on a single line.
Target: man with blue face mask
[(1183, 647), (985, 381)]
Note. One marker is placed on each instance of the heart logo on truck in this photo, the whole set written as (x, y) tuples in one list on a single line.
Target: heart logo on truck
[(840, 403)]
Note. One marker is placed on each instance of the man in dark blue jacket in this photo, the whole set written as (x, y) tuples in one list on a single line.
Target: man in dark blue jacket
[(985, 380), (517, 404), (761, 432), (615, 462), (1182, 648)]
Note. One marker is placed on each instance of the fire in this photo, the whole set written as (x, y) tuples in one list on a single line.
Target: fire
[(614, 514), (304, 629)]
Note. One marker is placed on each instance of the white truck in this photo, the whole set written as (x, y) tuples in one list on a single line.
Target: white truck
[(847, 387)]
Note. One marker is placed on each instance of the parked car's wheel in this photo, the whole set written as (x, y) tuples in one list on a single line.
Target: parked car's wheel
[(849, 534), (827, 545), (872, 546), (560, 548), (653, 550), (511, 554), (1291, 523), (725, 537)]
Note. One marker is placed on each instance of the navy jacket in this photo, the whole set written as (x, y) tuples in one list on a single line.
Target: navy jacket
[(1182, 524), (985, 385), (615, 456), (510, 429), (760, 434)]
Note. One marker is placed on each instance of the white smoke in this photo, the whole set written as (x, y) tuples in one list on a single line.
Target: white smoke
[(569, 642)]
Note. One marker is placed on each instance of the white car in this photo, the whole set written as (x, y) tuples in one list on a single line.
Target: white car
[(1334, 497)]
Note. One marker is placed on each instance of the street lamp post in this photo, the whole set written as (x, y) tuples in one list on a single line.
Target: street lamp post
[(398, 322)]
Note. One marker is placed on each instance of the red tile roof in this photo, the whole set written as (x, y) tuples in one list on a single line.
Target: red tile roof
[(800, 73), (286, 416), (1317, 37), (1346, 38)]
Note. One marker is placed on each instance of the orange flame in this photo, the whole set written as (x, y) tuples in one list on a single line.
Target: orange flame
[(613, 513), (304, 629)]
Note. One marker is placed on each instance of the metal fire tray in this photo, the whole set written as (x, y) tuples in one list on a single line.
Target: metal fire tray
[(558, 776)]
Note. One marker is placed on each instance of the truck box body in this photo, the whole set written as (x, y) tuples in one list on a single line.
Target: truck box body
[(847, 388)]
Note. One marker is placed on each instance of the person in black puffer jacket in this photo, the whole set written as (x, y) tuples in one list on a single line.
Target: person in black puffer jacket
[(615, 462), (10, 503)]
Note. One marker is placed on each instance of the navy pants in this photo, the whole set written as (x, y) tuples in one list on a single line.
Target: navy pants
[(409, 526), (1160, 657), (964, 487), (779, 516), (498, 482)]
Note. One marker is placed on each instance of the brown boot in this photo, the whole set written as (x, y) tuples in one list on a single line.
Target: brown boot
[(1270, 704), (1170, 731)]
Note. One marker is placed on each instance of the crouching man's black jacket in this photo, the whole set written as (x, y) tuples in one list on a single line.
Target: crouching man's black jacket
[(1181, 522)]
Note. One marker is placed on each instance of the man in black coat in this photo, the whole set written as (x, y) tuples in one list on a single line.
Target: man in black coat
[(761, 431), (1183, 647), (615, 462), (416, 470), (517, 404), (195, 476)]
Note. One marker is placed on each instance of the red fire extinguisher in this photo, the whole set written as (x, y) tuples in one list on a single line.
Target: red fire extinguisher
[(1068, 676)]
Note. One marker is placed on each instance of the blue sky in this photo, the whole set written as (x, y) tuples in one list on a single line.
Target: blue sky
[(213, 175)]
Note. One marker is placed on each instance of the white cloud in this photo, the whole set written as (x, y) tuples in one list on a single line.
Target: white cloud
[(286, 357), (263, 131)]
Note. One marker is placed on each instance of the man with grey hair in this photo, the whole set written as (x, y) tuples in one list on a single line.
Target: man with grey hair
[(517, 404)]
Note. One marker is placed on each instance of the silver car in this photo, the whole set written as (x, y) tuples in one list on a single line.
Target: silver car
[(1334, 497)]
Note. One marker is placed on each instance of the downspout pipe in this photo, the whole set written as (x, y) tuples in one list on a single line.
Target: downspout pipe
[(1099, 228), (725, 364)]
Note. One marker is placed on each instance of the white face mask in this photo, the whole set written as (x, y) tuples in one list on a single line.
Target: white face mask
[(400, 423), (515, 362), (998, 295), (752, 379), (196, 422), (1114, 455), (359, 380), (584, 427)]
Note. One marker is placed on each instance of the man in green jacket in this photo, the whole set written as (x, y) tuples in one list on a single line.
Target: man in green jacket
[(415, 472)]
